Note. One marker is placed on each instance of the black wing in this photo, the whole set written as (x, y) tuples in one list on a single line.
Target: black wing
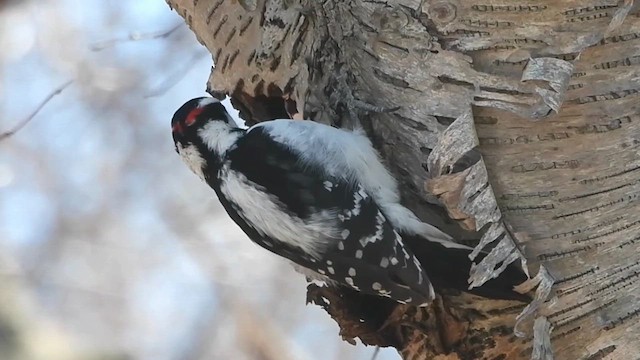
[(366, 253)]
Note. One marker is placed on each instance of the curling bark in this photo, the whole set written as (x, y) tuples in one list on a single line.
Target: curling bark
[(511, 123)]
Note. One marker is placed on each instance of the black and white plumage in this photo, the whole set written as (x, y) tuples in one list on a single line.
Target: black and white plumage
[(320, 197)]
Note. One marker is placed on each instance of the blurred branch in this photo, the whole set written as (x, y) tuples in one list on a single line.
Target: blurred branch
[(27, 120), (263, 339), (135, 36), (175, 78)]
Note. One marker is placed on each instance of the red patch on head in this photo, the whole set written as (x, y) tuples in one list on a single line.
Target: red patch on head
[(191, 118), (177, 128)]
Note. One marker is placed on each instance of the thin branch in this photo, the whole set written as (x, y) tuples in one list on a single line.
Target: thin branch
[(376, 351), (23, 123), (135, 36), (174, 78)]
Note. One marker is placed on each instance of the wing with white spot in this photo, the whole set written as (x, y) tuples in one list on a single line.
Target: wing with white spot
[(349, 156), (336, 221), (371, 256)]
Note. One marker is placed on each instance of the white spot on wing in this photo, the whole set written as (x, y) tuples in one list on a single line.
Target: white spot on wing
[(327, 185), (352, 272), (357, 200), (378, 235), (358, 254), (376, 286), (404, 250)]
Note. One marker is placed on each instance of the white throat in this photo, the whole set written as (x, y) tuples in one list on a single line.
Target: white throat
[(192, 157)]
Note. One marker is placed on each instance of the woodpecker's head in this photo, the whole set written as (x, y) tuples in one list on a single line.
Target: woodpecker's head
[(194, 115), (202, 131)]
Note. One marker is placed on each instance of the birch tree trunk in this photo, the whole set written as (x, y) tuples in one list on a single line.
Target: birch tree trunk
[(516, 123)]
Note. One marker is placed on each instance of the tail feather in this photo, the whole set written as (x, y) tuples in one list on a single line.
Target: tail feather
[(449, 267)]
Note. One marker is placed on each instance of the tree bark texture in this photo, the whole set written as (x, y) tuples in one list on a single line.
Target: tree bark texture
[(519, 118)]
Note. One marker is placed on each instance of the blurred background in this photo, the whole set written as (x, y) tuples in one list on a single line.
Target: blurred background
[(109, 247)]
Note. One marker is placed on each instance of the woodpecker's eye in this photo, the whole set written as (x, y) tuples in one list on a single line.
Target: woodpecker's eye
[(193, 115)]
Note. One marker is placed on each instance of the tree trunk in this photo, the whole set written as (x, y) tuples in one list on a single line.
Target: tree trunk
[(520, 121)]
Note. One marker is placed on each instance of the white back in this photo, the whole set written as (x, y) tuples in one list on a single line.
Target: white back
[(350, 155)]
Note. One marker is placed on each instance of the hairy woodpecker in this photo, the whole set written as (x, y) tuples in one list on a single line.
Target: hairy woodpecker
[(320, 197)]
